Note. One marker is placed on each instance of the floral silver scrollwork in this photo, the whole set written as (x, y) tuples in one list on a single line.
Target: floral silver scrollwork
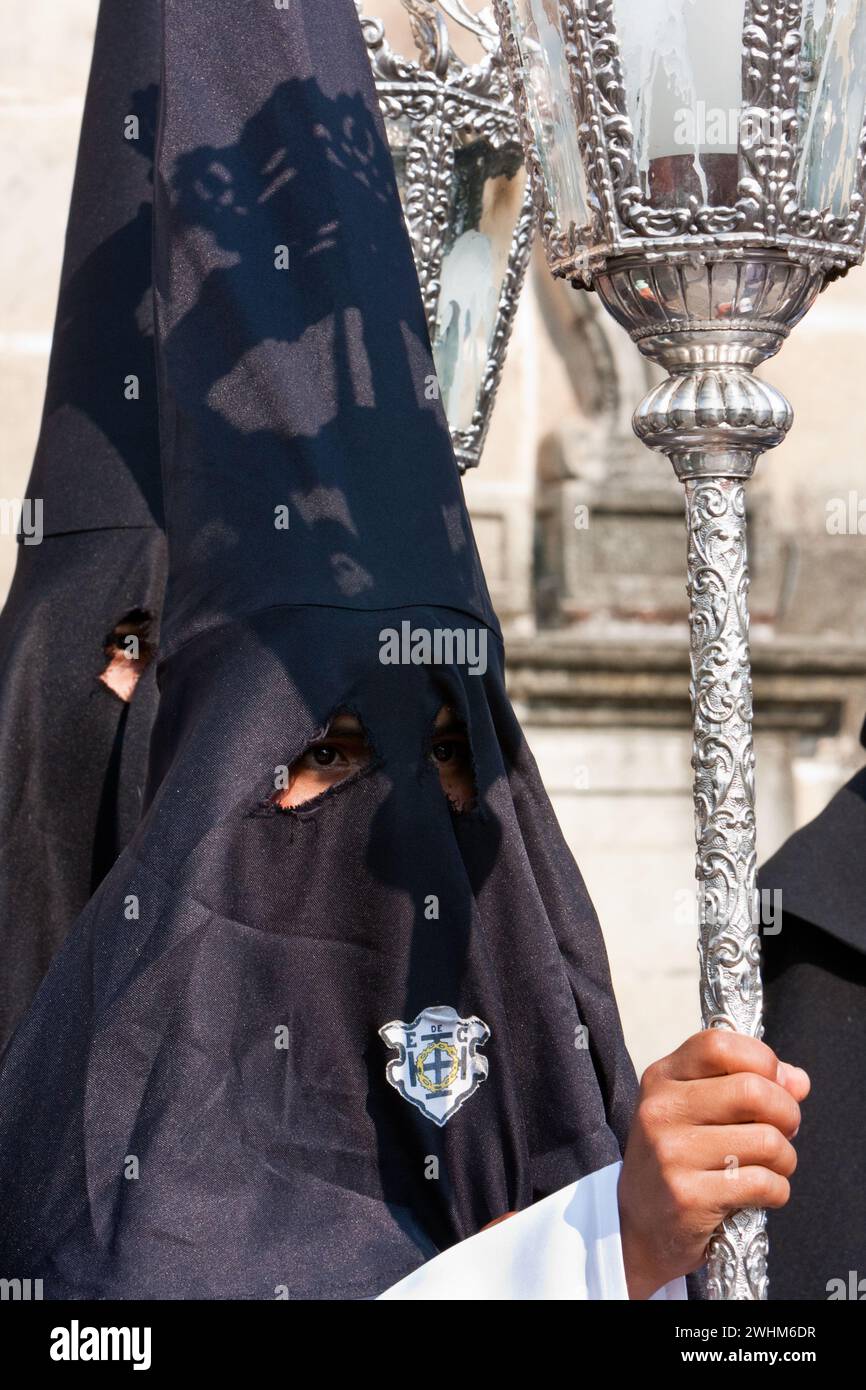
[(768, 121), (724, 767), (738, 1258), (723, 758)]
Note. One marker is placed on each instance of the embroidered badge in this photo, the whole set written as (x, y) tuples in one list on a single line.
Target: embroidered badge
[(438, 1067)]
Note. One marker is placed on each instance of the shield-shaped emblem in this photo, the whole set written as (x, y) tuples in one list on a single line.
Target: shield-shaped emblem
[(438, 1067)]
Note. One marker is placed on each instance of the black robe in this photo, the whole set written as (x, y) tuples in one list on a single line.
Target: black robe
[(815, 982), (200, 1102)]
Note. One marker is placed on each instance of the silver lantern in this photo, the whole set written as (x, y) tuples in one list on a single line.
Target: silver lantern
[(466, 200), (700, 163)]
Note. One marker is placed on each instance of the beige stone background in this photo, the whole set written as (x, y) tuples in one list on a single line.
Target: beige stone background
[(600, 684)]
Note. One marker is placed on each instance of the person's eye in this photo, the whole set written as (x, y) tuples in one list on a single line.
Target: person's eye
[(446, 752), (326, 755), (450, 755)]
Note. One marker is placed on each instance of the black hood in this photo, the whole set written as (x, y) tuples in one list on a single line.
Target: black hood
[(306, 454)]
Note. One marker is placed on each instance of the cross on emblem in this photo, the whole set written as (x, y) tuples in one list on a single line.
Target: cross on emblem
[(438, 1066), (443, 1059)]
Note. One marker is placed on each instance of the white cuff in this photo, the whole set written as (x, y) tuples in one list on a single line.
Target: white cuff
[(566, 1246)]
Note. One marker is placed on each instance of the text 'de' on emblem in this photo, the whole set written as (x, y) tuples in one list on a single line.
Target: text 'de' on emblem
[(438, 1066)]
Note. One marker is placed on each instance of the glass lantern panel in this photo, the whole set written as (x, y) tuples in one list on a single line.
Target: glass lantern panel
[(683, 74), (832, 102), (547, 84), (487, 196)]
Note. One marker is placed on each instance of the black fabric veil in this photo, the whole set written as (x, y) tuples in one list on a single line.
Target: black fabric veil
[(73, 754), (197, 1104)]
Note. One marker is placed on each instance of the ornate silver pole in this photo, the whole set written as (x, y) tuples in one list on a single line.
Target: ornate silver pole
[(714, 418), (724, 791)]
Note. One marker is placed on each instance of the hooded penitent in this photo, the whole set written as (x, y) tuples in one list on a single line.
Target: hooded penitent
[(815, 977), (91, 566), (304, 1049)]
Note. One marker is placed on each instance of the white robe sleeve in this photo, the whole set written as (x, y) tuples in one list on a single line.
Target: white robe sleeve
[(566, 1246)]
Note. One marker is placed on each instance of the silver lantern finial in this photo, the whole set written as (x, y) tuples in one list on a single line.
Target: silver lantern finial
[(702, 165), (466, 199)]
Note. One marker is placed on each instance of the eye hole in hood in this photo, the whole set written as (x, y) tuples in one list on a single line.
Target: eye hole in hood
[(341, 752), (344, 750), (129, 651), (451, 754)]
